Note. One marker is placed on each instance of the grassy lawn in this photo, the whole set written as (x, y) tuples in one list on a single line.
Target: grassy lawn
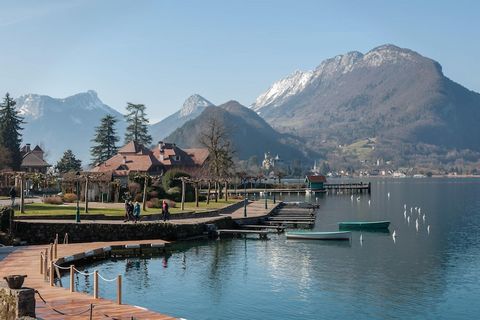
[(52, 209)]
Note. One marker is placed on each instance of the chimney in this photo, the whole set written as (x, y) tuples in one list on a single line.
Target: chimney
[(124, 159), (27, 149), (161, 146)]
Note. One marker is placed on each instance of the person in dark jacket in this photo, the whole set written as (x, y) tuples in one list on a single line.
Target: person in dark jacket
[(13, 194)]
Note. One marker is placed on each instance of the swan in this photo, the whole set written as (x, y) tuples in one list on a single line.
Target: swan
[(388, 194), (428, 229), (394, 234), (361, 238), (423, 217), (405, 214), (369, 203), (408, 219)]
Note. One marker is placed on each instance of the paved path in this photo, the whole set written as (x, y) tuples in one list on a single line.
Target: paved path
[(255, 209), (25, 260)]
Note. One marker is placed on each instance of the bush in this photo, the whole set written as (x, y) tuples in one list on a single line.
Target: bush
[(153, 194), (154, 203), (169, 179), (138, 197), (69, 197), (157, 203), (134, 187), (53, 200)]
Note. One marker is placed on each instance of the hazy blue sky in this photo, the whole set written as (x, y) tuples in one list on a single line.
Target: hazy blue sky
[(160, 52)]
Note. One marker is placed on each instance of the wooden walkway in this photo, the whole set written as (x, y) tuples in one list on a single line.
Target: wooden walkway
[(26, 260)]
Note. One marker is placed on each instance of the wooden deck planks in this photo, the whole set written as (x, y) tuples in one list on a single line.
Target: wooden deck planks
[(26, 260)]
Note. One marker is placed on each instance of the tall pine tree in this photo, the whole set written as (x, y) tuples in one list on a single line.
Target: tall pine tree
[(105, 140), (68, 163), (10, 127), (137, 129)]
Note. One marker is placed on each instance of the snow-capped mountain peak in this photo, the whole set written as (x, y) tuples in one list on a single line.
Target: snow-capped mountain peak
[(283, 89), (193, 104), (297, 82)]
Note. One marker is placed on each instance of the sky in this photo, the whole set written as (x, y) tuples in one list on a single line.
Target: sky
[(160, 52)]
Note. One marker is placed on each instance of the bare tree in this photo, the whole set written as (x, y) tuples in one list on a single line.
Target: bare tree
[(220, 161)]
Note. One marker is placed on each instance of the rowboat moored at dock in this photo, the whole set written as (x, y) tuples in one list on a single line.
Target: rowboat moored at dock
[(363, 225), (319, 235)]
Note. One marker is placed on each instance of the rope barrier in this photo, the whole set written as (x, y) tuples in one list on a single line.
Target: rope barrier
[(63, 313), (83, 273), (108, 280), (60, 267)]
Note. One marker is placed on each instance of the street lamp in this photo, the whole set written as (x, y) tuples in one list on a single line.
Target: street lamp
[(77, 214), (245, 195)]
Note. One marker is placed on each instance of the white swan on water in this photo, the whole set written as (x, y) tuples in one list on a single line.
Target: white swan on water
[(394, 234), (428, 229), (361, 238), (369, 203), (423, 217), (405, 214), (404, 206), (408, 219), (351, 197), (358, 198), (388, 194), (416, 224), (411, 209), (419, 210)]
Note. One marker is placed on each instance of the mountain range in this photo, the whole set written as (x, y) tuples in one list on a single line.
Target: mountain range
[(60, 124), (388, 105)]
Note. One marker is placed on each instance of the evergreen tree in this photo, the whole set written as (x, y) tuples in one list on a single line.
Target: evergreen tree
[(137, 129), (105, 140), (10, 127), (68, 163)]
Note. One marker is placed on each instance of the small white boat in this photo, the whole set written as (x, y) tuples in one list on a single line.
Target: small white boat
[(318, 235)]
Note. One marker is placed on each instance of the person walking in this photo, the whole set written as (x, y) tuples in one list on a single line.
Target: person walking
[(165, 213), (127, 208), (13, 194), (136, 211)]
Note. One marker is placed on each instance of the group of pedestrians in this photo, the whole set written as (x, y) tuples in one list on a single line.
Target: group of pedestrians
[(132, 211)]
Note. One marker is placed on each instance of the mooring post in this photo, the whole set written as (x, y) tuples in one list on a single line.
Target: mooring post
[(119, 289), (95, 284), (45, 264), (72, 282), (41, 262), (51, 274), (51, 251)]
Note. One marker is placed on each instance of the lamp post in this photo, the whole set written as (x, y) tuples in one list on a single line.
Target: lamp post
[(265, 192), (245, 200), (77, 214)]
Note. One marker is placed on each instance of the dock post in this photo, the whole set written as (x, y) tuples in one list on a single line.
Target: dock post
[(55, 247), (119, 289), (95, 284), (51, 274), (274, 201), (72, 282), (51, 251), (45, 264), (41, 262), (369, 188)]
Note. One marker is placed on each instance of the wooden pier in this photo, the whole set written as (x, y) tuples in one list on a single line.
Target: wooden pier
[(242, 232), (349, 187), (262, 227)]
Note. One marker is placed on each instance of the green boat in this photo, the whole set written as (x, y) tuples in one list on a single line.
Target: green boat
[(364, 225)]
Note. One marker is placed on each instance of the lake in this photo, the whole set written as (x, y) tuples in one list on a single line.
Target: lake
[(421, 275)]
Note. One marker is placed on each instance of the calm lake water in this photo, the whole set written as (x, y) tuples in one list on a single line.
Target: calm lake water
[(421, 275)]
